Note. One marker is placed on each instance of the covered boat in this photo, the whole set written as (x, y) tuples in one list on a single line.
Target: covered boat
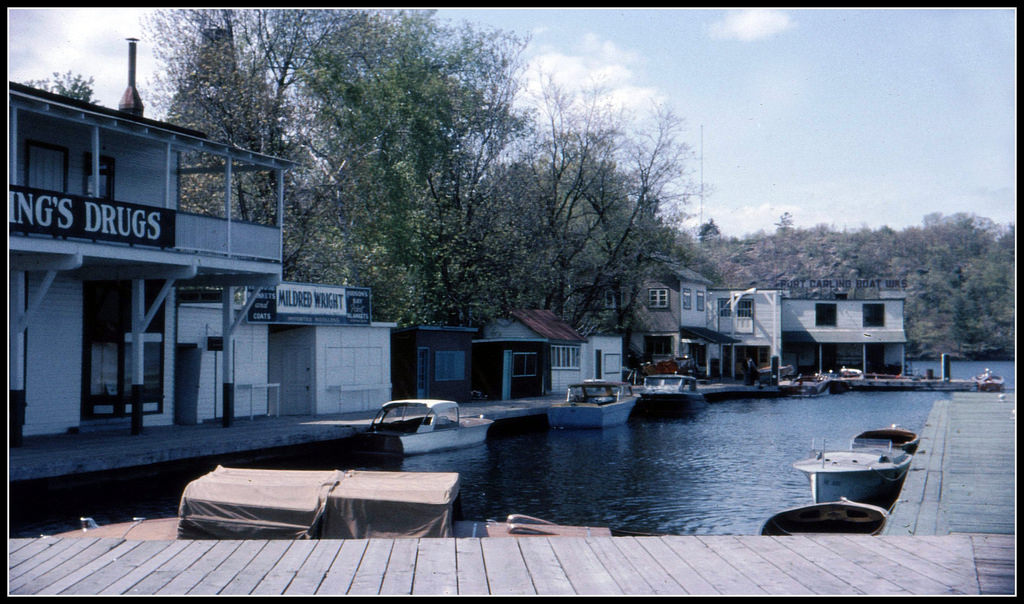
[(593, 404), (414, 426), (669, 394), (870, 474), (235, 503), (843, 516), (897, 437)]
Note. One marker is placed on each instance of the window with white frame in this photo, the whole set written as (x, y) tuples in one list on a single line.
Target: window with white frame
[(700, 300), (657, 297), (687, 297), (724, 310), (565, 357)]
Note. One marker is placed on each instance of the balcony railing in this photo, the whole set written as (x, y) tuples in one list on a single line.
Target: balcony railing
[(205, 234)]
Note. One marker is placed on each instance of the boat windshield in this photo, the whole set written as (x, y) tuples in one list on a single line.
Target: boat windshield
[(400, 418), (661, 382), (597, 393)]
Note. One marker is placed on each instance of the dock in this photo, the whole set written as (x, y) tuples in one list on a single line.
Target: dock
[(969, 547)]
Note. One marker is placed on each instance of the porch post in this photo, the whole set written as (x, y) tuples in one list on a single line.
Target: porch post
[(227, 357), (16, 359), (138, 350)]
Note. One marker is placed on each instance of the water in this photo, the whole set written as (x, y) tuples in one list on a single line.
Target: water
[(722, 470)]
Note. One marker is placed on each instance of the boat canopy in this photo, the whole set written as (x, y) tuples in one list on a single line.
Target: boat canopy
[(236, 503)]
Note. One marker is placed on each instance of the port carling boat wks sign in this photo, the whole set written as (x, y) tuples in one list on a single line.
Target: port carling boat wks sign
[(64, 215), (310, 304)]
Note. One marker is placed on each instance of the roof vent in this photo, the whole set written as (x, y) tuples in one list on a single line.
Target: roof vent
[(131, 102)]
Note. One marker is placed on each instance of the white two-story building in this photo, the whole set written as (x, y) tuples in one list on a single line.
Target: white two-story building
[(109, 213)]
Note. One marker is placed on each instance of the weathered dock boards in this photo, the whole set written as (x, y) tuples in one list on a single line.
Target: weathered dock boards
[(675, 565), (963, 476)]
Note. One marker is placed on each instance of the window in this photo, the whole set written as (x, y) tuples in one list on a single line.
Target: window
[(46, 167), (874, 315), (825, 315), (700, 300), (449, 365), (106, 190), (612, 299), (658, 345), (565, 357), (687, 299), (524, 364), (744, 308), (723, 308), (657, 298)]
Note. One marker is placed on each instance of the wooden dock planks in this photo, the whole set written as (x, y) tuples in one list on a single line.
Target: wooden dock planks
[(671, 565)]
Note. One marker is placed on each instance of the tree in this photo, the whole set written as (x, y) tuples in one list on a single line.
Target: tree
[(74, 86)]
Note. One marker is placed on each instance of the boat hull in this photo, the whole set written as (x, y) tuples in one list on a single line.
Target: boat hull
[(864, 481), (471, 432), (567, 415), (670, 405), (845, 517)]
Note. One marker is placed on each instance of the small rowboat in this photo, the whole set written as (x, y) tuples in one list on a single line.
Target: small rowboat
[(843, 516)]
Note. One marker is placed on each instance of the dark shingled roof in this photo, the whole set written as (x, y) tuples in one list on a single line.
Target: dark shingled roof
[(547, 324)]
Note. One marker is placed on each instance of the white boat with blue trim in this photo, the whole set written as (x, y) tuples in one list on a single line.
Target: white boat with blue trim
[(414, 426), (593, 404)]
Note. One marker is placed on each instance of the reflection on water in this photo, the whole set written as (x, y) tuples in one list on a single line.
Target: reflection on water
[(724, 469)]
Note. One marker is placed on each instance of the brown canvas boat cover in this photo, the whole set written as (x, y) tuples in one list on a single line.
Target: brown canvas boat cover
[(391, 504), (235, 503)]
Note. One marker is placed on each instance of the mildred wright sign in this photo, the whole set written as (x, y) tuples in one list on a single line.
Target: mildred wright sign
[(309, 304)]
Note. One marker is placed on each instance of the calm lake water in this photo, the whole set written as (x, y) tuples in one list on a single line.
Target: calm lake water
[(724, 469)]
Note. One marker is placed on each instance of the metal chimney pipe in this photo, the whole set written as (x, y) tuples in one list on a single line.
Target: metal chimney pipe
[(131, 102)]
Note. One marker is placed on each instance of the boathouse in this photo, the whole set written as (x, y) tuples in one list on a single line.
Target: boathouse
[(109, 213), (533, 352), (432, 362)]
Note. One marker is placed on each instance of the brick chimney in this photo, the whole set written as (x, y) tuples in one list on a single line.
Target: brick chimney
[(131, 102)]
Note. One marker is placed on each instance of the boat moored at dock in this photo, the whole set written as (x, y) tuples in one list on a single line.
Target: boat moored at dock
[(415, 426), (669, 395), (593, 404), (897, 437), (843, 516), (867, 473)]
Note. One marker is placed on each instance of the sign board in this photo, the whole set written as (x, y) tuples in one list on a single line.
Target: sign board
[(841, 283), (64, 215), (310, 304)]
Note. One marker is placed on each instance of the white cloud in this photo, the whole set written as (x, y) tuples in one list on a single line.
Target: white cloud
[(750, 25), (597, 64)]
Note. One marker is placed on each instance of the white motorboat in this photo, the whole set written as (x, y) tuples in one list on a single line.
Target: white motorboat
[(866, 474), (414, 426), (669, 394), (593, 404), (843, 516)]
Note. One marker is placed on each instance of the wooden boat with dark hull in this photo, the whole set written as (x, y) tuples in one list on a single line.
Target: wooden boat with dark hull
[(900, 438), (234, 503), (843, 516)]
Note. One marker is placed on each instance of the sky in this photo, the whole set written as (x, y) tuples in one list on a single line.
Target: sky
[(845, 118)]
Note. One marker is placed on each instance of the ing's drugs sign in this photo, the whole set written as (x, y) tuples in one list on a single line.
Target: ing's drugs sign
[(310, 304)]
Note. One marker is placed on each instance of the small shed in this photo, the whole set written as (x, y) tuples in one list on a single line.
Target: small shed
[(528, 354), (432, 362)]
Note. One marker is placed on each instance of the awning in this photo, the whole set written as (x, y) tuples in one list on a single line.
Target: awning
[(845, 336), (700, 333)]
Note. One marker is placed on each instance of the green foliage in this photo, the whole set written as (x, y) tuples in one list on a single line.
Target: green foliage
[(70, 85)]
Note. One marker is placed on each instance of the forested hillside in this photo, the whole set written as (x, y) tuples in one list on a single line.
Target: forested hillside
[(959, 274)]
